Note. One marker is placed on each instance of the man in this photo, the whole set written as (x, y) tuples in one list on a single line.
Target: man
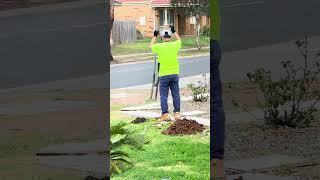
[(167, 52), (217, 115)]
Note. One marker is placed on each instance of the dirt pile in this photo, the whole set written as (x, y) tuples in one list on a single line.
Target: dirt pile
[(184, 127)]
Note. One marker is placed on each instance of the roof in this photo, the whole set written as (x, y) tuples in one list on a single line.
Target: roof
[(130, 1), (153, 2), (160, 2)]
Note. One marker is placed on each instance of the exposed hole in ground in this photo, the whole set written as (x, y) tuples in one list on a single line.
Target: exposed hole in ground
[(139, 120), (184, 127)]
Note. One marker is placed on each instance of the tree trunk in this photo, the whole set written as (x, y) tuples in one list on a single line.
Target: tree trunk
[(198, 32)]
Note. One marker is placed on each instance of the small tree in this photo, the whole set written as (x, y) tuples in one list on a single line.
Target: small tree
[(193, 8), (283, 99), (201, 90)]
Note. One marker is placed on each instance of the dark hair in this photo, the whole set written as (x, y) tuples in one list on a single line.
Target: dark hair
[(166, 35)]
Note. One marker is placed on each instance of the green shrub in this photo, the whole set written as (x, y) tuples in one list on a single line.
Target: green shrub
[(283, 98), (205, 31), (139, 34), (200, 91)]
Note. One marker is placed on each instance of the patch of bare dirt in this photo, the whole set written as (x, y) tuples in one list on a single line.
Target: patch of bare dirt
[(139, 120), (184, 127)]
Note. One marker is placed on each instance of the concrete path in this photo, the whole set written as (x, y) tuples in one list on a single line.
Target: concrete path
[(263, 162), (90, 164), (250, 176), (92, 158)]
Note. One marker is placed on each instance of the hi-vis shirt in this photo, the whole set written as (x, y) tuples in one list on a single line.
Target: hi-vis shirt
[(167, 57), (215, 20)]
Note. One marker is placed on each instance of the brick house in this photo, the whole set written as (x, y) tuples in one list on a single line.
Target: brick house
[(153, 14)]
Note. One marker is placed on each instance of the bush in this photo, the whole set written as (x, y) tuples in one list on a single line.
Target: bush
[(283, 98), (139, 34), (201, 90), (205, 31)]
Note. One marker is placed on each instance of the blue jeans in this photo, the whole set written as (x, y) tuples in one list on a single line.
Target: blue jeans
[(169, 82), (217, 115)]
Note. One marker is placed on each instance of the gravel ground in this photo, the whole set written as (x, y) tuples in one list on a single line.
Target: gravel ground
[(252, 140)]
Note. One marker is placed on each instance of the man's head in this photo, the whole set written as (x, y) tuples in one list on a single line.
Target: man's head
[(166, 35)]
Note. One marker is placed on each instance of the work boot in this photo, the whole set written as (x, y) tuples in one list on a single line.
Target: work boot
[(217, 169), (164, 118), (177, 116)]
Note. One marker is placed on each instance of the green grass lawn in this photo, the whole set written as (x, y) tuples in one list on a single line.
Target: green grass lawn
[(142, 46), (183, 157)]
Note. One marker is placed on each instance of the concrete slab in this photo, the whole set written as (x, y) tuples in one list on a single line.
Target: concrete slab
[(119, 95), (202, 121), (147, 114), (87, 147), (93, 164), (249, 176), (144, 114), (262, 162), (152, 106), (37, 107), (192, 113)]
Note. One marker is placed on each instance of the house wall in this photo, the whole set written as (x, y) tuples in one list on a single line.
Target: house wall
[(131, 11), (134, 12)]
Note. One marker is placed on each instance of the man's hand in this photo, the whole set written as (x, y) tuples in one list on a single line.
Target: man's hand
[(172, 28), (175, 34), (156, 33)]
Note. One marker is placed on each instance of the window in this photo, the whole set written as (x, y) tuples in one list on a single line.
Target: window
[(170, 16)]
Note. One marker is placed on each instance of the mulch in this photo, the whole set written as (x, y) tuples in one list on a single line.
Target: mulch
[(184, 127)]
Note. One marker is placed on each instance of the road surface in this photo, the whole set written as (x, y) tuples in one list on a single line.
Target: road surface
[(254, 23), (126, 75), (46, 46)]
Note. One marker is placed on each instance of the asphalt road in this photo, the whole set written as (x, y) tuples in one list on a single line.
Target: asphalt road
[(254, 23), (126, 75), (47, 46)]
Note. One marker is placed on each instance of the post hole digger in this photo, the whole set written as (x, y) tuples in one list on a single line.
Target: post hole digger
[(155, 79)]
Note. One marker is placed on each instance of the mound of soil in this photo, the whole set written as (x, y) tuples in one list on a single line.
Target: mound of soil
[(184, 127), (139, 120)]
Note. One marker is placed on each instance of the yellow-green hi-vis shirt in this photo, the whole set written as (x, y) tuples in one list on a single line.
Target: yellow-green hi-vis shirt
[(167, 57), (215, 20)]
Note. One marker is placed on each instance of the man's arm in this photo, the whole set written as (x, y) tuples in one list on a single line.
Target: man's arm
[(154, 39), (175, 34)]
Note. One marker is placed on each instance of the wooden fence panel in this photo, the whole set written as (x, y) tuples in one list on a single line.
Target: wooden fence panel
[(124, 31)]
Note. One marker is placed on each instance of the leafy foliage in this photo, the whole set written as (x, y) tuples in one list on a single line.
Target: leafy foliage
[(200, 90), (120, 136), (205, 31), (192, 8), (139, 34), (284, 98)]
